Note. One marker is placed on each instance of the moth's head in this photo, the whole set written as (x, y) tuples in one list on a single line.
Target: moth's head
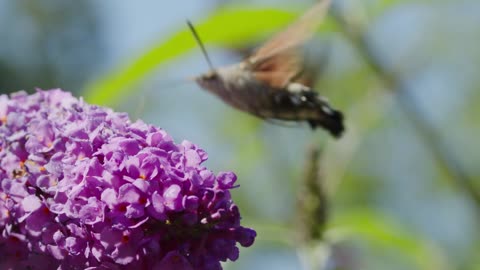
[(209, 76), (210, 80)]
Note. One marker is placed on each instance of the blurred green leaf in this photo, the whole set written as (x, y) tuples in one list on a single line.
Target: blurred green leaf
[(379, 230), (232, 26), (227, 27)]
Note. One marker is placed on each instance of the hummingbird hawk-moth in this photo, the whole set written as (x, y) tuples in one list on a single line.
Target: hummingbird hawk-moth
[(272, 82)]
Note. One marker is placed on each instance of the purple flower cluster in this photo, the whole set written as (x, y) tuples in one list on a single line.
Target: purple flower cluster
[(84, 188)]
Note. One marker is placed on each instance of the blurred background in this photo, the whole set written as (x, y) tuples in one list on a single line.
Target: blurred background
[(402, 185)]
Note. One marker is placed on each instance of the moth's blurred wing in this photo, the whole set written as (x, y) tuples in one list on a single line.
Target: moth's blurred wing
[(278, 71), (281, 58)]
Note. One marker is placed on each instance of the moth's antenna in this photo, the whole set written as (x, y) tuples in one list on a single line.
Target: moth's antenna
[(199, 41)]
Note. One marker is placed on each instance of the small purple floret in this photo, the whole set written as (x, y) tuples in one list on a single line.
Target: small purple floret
[(81, 187)]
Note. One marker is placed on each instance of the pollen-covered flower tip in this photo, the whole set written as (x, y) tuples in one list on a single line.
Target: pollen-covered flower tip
[(82, 187)]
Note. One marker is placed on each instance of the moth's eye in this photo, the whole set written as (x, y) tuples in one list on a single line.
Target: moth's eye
[(210, 76)]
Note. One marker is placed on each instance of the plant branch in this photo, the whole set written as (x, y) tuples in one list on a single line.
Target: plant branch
[(312, 212), (425, 129), (312, 202)]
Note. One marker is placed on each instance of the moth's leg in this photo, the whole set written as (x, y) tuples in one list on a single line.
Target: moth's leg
[(313, 125)]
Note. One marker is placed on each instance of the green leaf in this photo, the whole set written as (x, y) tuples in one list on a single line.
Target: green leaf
[(233, 26), (226, 27), (380, 231)]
